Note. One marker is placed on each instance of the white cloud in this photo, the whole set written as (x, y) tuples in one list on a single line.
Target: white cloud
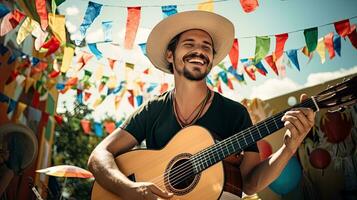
[(317, 78), (70, 27), (273, 88), (72, 10)]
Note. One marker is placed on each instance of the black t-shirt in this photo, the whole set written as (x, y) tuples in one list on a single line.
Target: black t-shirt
[(155, 121)]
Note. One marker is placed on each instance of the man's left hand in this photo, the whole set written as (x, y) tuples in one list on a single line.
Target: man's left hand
[(298, 121)]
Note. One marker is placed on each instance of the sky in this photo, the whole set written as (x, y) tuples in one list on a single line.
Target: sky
[(270, 18)]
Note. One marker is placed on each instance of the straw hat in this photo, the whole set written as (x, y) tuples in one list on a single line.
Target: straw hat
[(218, 27)]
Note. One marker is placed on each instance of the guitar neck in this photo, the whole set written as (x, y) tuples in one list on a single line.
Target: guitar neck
[(243, 139)]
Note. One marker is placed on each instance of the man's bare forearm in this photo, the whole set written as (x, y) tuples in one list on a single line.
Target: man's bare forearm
[(102, 164), (267, 171)]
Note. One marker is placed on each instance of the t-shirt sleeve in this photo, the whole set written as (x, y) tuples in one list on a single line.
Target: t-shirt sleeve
[(246, 122), (136, 124)]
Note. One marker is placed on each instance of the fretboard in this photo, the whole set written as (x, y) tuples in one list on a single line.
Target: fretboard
[(241, 140)]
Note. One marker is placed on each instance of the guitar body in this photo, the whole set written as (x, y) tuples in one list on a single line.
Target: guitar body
[(151, 165)]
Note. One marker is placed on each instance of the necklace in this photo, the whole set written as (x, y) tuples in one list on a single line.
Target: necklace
[(185, 122)]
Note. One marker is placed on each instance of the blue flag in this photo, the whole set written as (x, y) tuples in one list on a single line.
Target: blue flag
[(292, 54), (168, 10), (93, 48), (3, 10), (98, 129), (107, 30), (337, 44)]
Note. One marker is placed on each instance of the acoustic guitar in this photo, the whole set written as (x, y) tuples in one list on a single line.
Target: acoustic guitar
[(190, 165)]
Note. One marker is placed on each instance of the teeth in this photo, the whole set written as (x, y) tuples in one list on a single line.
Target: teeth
[(196, 60)]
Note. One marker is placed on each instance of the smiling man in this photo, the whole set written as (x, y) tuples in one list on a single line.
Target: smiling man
[(188, 45)]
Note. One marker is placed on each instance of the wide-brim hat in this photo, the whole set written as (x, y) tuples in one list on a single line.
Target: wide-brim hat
[(218, 27)]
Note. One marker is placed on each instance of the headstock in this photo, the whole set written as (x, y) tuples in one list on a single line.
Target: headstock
[(339, 96)]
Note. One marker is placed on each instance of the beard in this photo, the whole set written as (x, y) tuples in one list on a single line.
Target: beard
[(194, 74)]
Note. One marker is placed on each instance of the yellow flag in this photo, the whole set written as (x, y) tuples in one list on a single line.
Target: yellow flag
[(25, 29), (206, 6), (67, 59), (321, 50), (112, 82), (99, 73), (56, 23), (19, 110), (29, 82)]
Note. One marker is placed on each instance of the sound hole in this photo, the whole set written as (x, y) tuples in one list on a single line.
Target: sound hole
[(181, 174)]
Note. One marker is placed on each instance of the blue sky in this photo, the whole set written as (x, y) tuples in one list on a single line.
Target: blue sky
[(271, 17)]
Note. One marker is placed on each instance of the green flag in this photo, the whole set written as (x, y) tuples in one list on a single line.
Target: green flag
[(261, 48), (311, 35)]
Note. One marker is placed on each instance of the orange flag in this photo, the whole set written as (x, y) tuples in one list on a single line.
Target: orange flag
[(132, 24), (164, 87), (131, 97), (270, 61), (249, 5), (329, 44), (111, 62), (234, 54), (42, 13)]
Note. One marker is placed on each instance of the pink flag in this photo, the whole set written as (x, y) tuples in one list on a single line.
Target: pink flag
[(280, 43), (83, 59), (329, 44), (249, 5), (111, 62), (132, 24), (234, 54), (10, 21), (42, 13), (343, 28)]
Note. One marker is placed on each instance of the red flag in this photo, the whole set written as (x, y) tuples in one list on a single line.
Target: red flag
[(16, 17), (230, 84), (58, 119), (84, 59), (40, 67), (131, 97), (343, 28), (250, 71), (35, 99), (87, 95), (109, 127), (72, 81), (249, 5), (12, 77), (54, 74), (42, 13), (234, 54), (353, 36), (329, 44), (146, 71), (86, 126), (219, 86), (132, 24), (51, 45), (270, 61), (164, 87), (111, 62), (280, 43)]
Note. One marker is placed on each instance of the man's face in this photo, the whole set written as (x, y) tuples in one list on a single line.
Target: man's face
[(193, 55)]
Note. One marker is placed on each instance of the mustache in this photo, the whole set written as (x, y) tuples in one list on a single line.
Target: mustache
[(196, 55)]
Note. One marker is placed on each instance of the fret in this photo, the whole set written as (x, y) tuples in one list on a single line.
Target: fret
[(221, 147), (245, 140), (251, 134), (277, 127), (234, 149), (266, 127)]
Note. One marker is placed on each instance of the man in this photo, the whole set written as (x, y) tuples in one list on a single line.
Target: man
[(188, 45)]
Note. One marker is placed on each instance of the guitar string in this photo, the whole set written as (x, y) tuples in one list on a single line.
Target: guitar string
[(213, 151)]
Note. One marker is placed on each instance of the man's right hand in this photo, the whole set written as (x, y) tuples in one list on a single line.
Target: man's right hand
[(145, 190)]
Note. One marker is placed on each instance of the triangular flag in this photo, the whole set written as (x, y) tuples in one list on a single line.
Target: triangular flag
[(94, 49), (292, 55), (25, 29), (234, 53), (98, 129), (131, 97), (329, 44), (109, 127), (3, 10), (343, 28), (164, 87), (107, 30), (111, 63), (151, 87), (337, 44), (83, 59), (139, 100), (168, 10), (143, 48), (262, 47), (51, 45), (250, 71), (206, 6), (42, 13), (261, 69), (353, 36), (311, 35), (57, 25), (249, 5), (132, 24), (10, 21), (86, 126), (87, 96), (270, 61), (67, 58), (321, 50), (92, 12), (280, 43), (129, 65), (280, 65), (307, 53)]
